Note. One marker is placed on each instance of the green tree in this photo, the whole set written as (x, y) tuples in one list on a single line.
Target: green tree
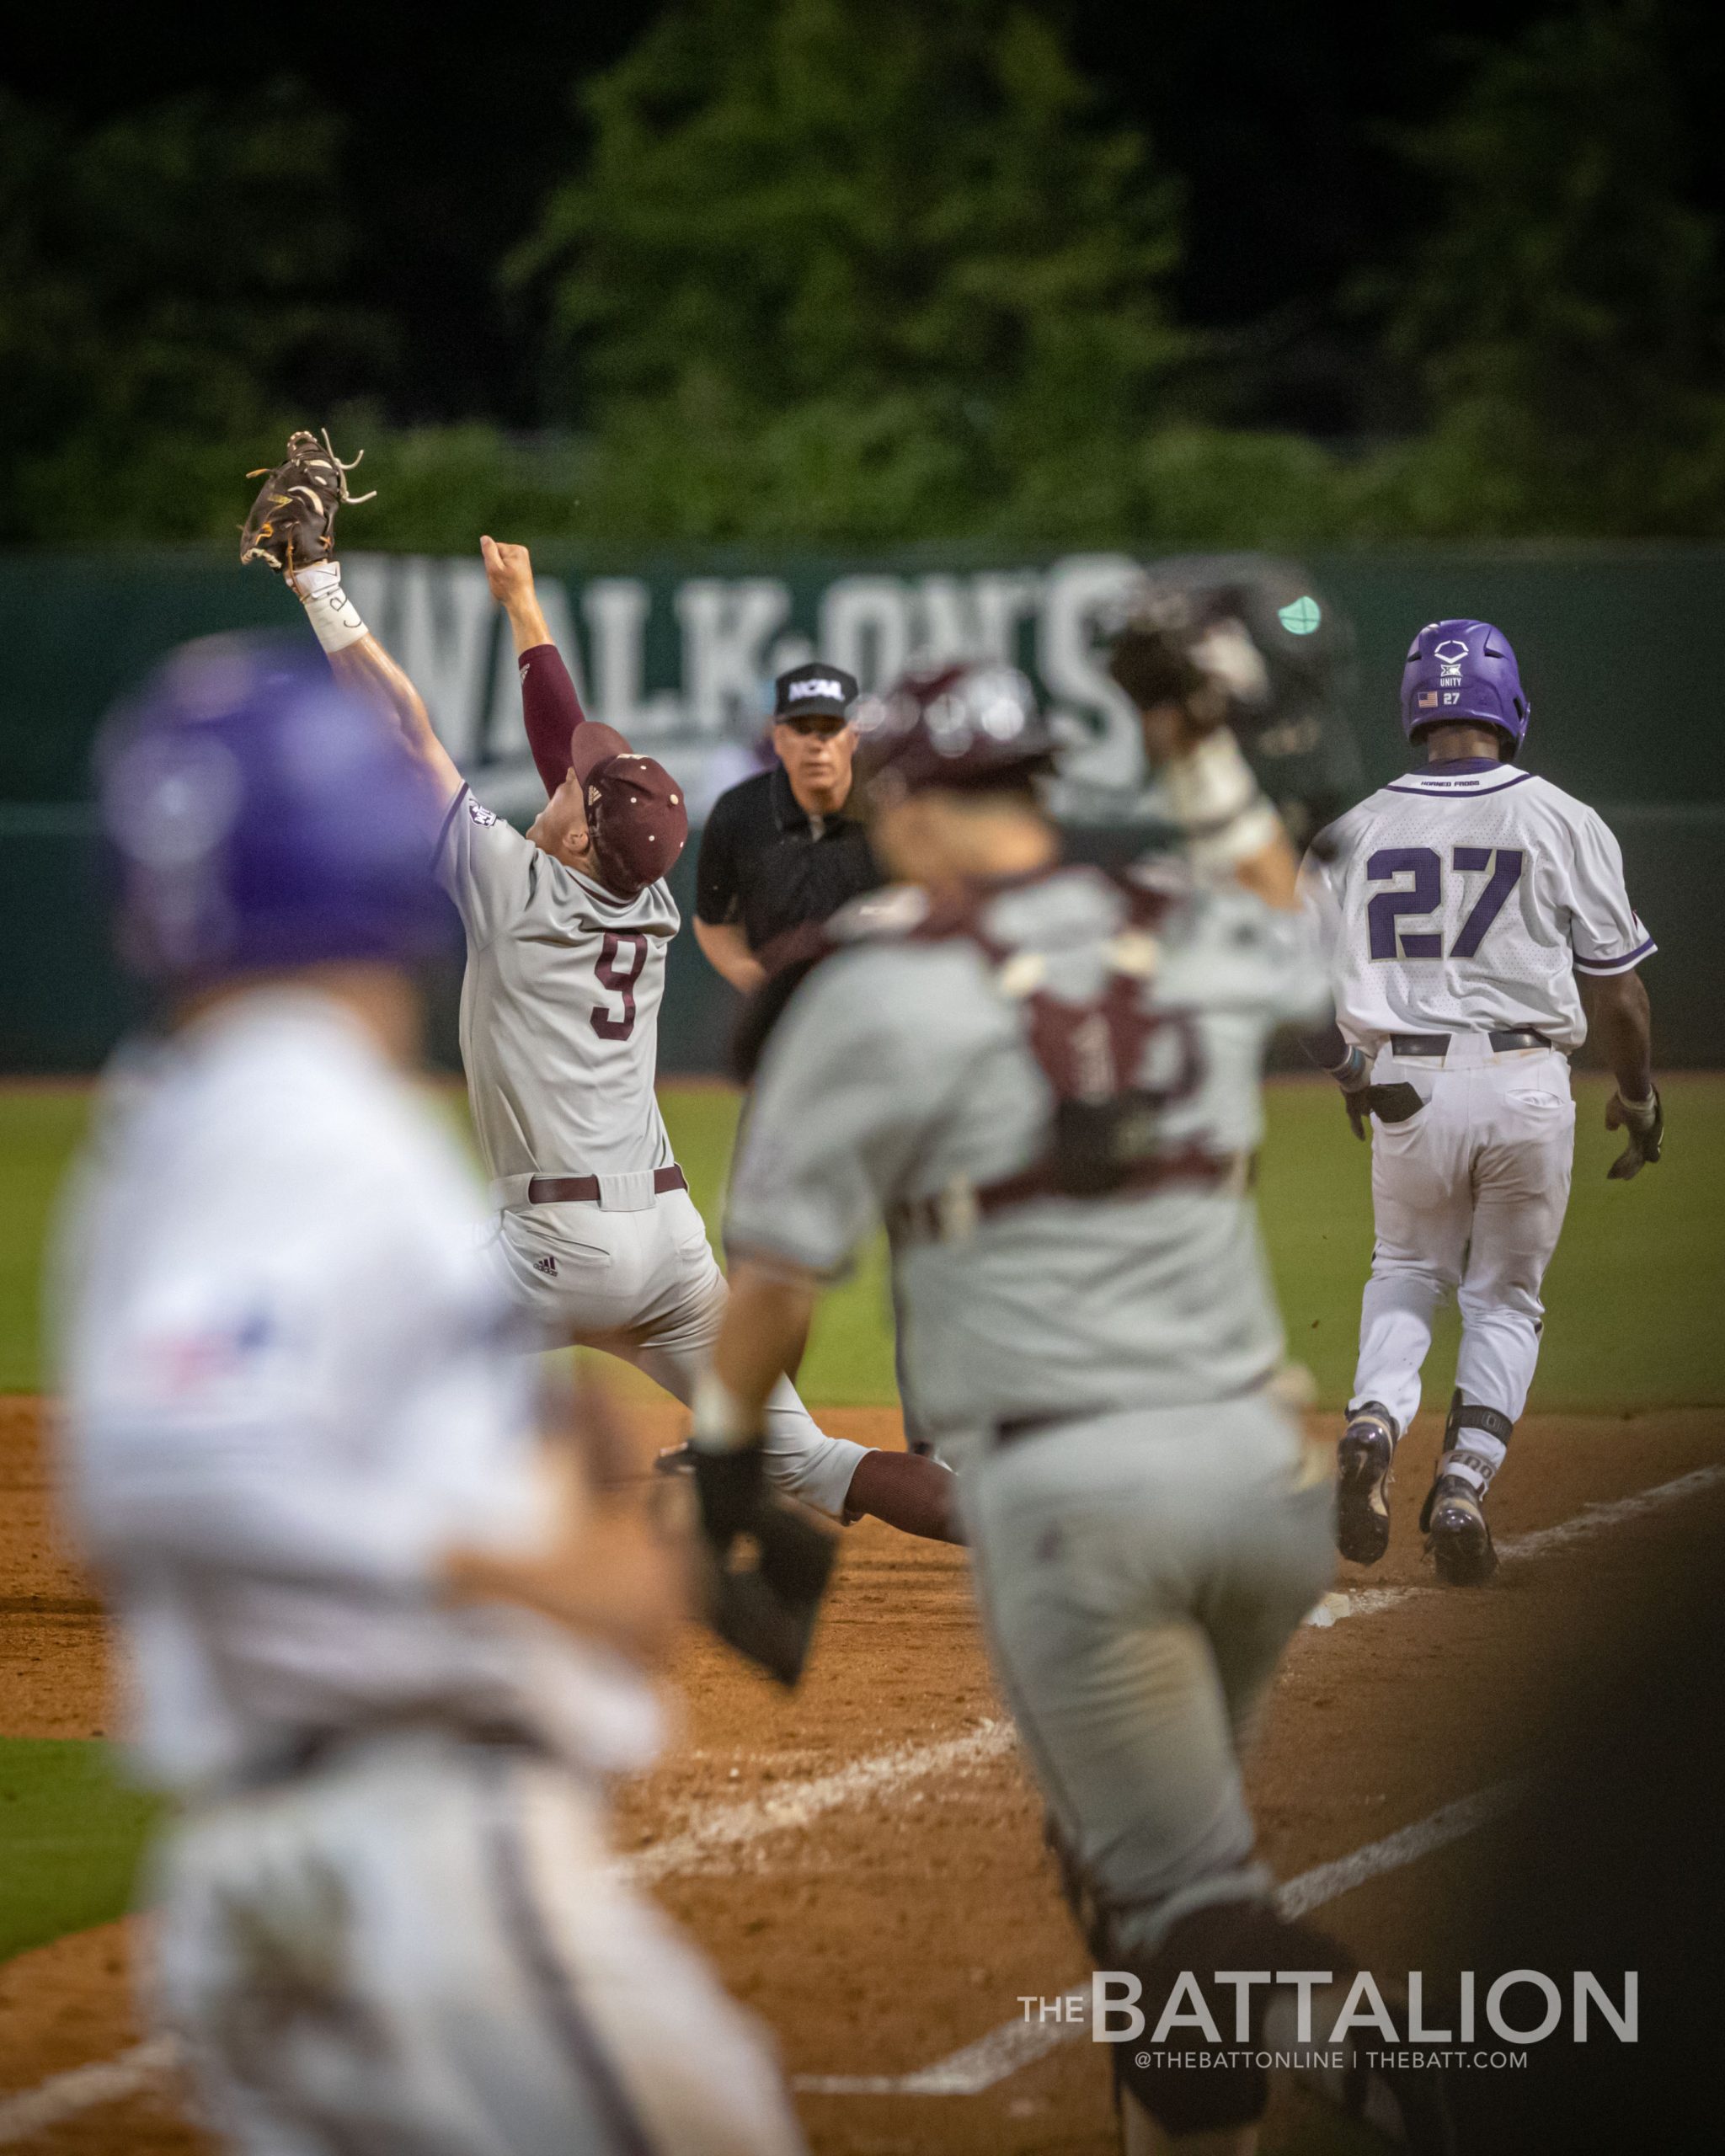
[(165, 287), (831, 269), (1563, 313)]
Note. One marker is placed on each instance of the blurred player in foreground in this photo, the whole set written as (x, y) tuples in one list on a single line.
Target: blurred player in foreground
[(567, 931), (384, 1644), (1045, 1080), (1481, 928)]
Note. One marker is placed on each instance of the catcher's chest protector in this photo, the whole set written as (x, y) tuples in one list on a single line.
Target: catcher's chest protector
[(1113, 1061)]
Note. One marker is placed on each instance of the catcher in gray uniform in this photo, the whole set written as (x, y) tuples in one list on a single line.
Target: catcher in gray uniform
[(1045, 1080), (567, 931)]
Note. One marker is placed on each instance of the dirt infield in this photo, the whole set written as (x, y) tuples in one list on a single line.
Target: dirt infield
[(864, 1859)]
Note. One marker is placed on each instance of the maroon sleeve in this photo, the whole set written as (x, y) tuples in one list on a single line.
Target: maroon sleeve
[(555, 720)]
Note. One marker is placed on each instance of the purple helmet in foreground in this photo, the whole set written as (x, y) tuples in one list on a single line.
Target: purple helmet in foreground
[(261, 817), (1464, 669)]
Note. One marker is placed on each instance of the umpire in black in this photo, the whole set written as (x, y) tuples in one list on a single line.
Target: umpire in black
[(782, 849)]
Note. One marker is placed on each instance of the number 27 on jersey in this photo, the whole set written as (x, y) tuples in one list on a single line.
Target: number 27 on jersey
[(1423, 895)]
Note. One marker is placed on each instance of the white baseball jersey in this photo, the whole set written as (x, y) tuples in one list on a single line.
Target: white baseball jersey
[(289, 1384), (1466, 898), (559, 1022)]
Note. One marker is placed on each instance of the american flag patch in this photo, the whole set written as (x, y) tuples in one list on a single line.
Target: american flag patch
[(1427, 700)]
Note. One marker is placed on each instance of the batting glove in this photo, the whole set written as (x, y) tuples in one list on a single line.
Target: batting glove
[(1645, 1123), (1353, 1074)]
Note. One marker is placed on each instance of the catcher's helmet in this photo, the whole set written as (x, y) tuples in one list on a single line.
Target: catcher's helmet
[(1464, 669), (258, 816), (1251, 643), (963, 729)]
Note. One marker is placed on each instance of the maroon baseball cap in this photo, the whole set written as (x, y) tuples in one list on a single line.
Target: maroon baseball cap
[(638, 816), (593, 743)]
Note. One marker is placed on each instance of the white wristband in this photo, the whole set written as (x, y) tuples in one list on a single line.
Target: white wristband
[(1249, 832), (334, 618), (720, 1423), (1211, 784), (1217, 802)]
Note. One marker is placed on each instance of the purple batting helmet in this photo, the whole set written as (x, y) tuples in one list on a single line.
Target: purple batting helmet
[(1460, 670), (259, 817)]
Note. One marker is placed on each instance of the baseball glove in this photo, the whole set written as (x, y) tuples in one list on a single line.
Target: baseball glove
[(292, 523), (1245, 641)]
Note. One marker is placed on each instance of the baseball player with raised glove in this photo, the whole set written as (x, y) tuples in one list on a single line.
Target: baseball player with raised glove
[(568, 927), (1481, 928)]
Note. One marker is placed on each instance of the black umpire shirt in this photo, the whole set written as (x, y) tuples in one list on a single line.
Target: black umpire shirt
[(768, 865)]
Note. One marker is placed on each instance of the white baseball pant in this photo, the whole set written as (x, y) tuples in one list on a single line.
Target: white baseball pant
[(645, 1286), (1468, 1197), (424, 1944)]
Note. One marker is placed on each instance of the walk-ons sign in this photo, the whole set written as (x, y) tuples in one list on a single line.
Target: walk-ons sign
[(684, 666)]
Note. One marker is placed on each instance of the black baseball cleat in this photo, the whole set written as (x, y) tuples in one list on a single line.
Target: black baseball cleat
[(1363, 1462), (1457, 1536)]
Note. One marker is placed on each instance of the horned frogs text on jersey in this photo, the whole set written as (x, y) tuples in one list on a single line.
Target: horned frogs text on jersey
[(1466, 897), (901, 1072), (559, 1023), (288, 1385)]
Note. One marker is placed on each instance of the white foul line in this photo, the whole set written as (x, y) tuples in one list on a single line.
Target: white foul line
[(46, 2107), (1015, 2045), (736, 1826), (1592, 1517), (1514, 1549), (732, 1826)]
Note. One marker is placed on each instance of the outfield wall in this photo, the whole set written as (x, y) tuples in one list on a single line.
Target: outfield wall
[(1615, 645)]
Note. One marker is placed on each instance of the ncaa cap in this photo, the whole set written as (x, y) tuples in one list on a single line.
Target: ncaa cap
[(815, 691)]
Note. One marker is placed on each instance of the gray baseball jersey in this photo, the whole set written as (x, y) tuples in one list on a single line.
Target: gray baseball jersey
[(559, 1019), (901, 1074)]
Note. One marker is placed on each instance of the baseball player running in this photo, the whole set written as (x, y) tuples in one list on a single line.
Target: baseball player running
[(1045, 1080), (384, 1644), (567, 932), (1479, 926)]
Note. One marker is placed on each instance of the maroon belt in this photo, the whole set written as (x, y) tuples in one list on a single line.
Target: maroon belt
[(924, 1218), (584, 1190)]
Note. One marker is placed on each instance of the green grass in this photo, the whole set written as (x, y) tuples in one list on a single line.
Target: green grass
[(71, 1831), (1631, 1298), (39, 1127), (850, 1358)]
